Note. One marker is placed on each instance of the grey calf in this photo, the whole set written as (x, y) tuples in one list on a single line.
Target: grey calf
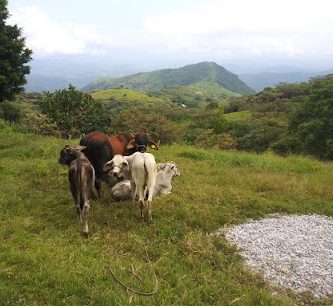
[(81, 176)]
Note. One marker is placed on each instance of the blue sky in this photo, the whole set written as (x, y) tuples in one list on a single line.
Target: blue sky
[(219, 30)]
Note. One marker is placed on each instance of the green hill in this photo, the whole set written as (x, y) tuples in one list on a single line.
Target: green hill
[(123, 94), (207, 72)]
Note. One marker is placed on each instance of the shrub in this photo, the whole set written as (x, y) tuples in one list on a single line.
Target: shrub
[(209, 139), (40, 124), (71, 110), (226, 141), (11, 112)]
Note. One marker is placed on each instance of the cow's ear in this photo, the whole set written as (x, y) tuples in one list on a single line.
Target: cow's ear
[(131, 144), (108, 166), (67, 149), (153, 145), (160, 166), (81, 148)]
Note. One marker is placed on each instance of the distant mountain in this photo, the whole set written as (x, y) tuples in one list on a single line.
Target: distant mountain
[(259, 81), (57, 72), (40, 83), (184, 76)]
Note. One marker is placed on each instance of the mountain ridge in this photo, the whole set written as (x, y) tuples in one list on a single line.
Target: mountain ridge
[(183, 76)]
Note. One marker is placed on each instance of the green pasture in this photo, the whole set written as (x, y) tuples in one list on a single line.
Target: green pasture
[(123, 94), (45, 261)]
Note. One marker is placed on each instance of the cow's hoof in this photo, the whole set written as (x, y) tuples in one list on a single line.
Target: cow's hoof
[(85, 234), (150, 221)]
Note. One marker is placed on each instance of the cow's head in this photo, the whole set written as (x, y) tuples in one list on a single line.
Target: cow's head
[(69, 153), (117, 167), (140, 142), (169, 167)]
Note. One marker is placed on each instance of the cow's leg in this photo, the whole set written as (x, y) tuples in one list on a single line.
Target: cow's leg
[(76, 198), (150, 189), (140, 192), (142, 206), (85, 216), (133, 191), (149, 204), (98, 186)]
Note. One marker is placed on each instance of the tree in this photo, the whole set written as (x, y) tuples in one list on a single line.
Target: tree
[(312, 122), (310, 129), (72, 110), (13, 57)]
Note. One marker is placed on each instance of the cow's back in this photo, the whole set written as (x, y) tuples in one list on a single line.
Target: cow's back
[(119, 143), (98, 151)]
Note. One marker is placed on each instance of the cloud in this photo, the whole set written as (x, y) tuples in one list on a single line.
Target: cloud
[(207, 29), (45, 36), (257, 27)]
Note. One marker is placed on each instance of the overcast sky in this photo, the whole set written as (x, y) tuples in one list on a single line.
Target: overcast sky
[(220, 30)]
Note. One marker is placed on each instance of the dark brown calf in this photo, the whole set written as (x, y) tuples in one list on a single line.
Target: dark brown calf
[(81, 178)]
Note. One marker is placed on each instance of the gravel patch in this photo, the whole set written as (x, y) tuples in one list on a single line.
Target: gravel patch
[(293, 252)]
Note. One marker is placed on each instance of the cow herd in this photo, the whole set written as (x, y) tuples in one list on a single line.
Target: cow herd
[(121, 162)]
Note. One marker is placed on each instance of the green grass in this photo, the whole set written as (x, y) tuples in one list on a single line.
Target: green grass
[(238, 116), (124, 94), (45, 261), (213, 89)]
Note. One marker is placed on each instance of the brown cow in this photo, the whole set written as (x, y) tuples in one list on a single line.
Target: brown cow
[(122, 144), (101, 148)]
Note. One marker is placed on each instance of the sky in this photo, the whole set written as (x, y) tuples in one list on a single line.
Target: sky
[(274, 32)]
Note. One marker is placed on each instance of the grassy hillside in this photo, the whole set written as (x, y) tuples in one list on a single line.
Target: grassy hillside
[(123, 94), (45, 261), (120, 99), (184, 76), (195, 95), (238, 116)]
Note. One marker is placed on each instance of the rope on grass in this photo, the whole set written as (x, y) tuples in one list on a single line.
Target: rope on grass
[(134, 290)]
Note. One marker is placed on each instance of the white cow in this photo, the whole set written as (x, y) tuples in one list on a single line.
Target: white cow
[(140, 168), (122, 190), (167, 171)]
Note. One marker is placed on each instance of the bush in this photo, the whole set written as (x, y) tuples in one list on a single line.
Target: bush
[(285, 145), (10, 111), (231, 107), (40, 124), (209, 139), (73, 111), (5, 126), (226, 141), (259, 139)]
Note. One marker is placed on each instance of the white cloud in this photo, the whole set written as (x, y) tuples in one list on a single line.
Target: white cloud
[(219, 28), (256, 27), (45, 36)]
